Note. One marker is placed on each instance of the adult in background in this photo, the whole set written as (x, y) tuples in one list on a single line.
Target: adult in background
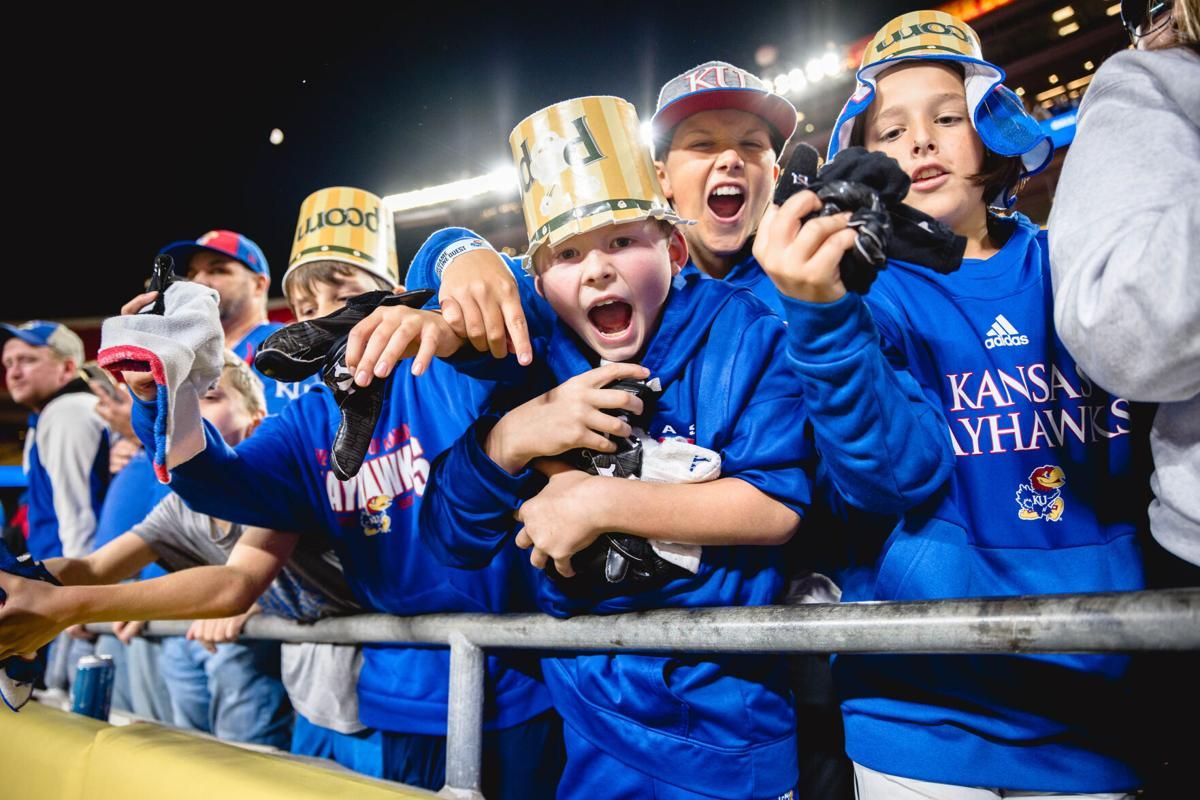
[(66, 454), (1124, 250), (1126, 243)]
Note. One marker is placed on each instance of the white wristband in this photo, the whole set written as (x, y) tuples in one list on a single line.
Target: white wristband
[(453, 251)]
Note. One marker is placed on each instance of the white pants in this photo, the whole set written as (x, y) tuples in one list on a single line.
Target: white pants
[(872, 785)]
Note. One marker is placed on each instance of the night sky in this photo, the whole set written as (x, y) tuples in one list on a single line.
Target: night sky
[(124, 142)]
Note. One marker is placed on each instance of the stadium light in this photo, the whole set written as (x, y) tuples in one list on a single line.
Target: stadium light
[(1113, 10), (831, 63), (1049, 93), (814, 70), (499, 181), (1068, 29), (1062, 13)]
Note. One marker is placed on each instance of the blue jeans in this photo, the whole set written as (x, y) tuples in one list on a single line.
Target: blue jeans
[(148, 695), (62, 660), (234, 694)]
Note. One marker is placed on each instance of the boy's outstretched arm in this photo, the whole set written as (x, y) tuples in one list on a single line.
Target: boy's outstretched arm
[(258, 483), (116, 561), (881, 436), (28, 624), (35, 612)]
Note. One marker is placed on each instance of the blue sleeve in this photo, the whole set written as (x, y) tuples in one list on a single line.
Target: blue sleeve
[(466, 513), (422, 271), (881, 437), (261, 482), (756, 413)]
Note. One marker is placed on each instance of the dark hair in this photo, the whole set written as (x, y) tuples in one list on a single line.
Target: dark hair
[(304, 282), (998, 175)]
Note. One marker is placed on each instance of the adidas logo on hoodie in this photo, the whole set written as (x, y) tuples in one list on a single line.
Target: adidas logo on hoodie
[(1003, 334)]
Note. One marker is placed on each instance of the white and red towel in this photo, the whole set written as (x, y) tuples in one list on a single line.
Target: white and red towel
[(183, 349)]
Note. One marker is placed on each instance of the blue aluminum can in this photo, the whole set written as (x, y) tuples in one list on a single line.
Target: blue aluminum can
[(92, 693)]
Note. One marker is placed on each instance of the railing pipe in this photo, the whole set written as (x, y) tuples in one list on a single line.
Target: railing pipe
[(1124, 621)]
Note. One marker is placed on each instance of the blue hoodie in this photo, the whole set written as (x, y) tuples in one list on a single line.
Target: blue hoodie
[(280, 478), (1042, 500), (722, 726), (749, 274)]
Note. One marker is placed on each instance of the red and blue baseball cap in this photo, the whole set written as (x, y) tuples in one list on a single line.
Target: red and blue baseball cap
[(40, 333), (226, 243)]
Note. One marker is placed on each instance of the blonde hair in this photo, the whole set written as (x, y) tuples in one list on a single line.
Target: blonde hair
[(303, 283), (241, 379), (1187, 22)]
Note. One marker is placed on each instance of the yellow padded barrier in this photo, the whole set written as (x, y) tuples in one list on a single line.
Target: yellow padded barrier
[(45, 752), (53, 754)]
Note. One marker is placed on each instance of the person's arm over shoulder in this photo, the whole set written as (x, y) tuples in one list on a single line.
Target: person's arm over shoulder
[(882, 438), (261, 481), (69, 435), (1125, 229), (467, 274)]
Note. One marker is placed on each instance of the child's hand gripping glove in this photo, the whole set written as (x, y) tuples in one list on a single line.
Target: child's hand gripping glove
[(18, 676), (179, 341), (294, 352), (620, 563), (872, 186)]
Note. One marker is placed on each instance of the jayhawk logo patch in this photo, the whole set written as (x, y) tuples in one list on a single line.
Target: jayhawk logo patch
[(374, 516), (1041, 497)]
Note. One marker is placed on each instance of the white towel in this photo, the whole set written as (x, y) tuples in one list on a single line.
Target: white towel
[(677, 461), (183, 348)]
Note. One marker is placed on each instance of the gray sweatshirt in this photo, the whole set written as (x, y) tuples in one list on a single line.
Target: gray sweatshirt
[(1125, 255)]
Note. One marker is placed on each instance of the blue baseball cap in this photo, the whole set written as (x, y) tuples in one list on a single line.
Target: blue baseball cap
[(40, 333), (226, 243)]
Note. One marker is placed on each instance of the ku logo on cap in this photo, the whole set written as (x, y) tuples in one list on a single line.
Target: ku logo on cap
[(715, 77)]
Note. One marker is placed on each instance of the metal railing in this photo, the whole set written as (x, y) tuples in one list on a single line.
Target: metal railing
[(1165, 620)]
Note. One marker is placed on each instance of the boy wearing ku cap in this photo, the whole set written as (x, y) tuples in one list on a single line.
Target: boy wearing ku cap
[(607, 257), (718, 134)]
